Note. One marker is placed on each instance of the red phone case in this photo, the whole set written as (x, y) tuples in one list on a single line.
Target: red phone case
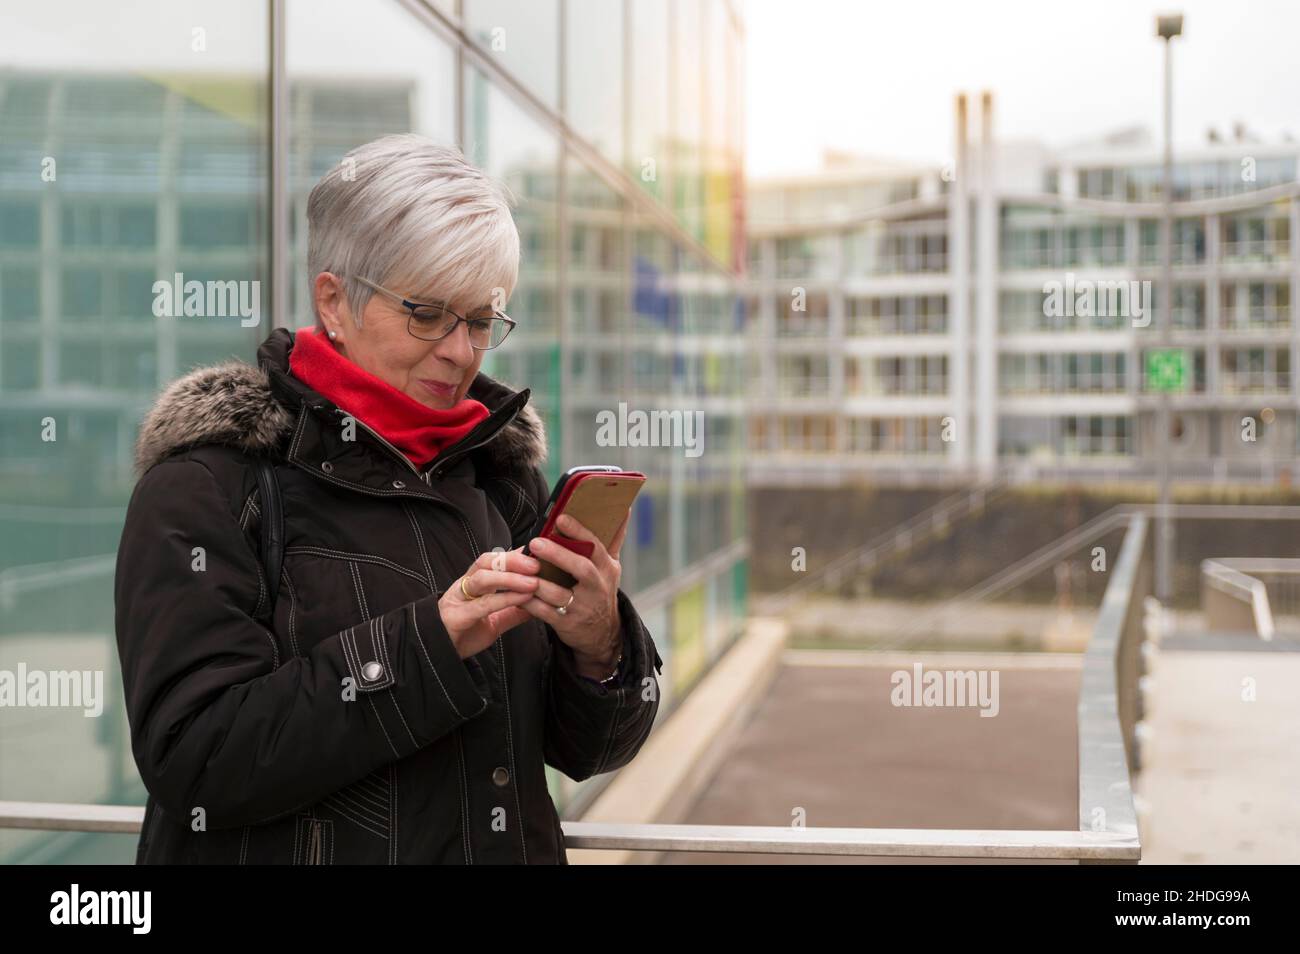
[(581, 547)]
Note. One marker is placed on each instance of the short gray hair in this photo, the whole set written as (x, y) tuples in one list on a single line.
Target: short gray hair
[(409, 210)]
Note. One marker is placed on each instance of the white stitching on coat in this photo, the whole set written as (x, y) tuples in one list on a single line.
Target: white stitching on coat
[(347, 555), (464, 798), (416, 622), (287, 582), (361, 821), (380, 720), (510, 747), (361, 595), (392, 840), (419, 542)]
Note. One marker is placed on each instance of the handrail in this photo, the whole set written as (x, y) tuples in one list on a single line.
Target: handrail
[(1023, 569), (934, 518), (70, 816), (887, 842), (1237, 588), (873, 842), (1238, 580), (1109, 700), (1030, 564), (790, 467)]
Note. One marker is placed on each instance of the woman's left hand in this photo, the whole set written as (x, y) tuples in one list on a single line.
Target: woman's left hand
[(590, 624)]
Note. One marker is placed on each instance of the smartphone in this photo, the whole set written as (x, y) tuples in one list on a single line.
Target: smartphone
[(598, 497)]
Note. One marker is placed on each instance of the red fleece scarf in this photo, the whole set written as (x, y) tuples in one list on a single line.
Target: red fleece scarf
[(417, 430)]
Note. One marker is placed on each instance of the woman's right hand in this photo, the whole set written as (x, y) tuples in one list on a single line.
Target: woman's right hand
[(475, 624)]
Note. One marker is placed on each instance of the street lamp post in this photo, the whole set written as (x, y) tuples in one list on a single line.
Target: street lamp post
[(1167, 27)]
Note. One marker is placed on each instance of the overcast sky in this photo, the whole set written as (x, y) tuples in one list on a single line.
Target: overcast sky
[(879, 76), (872, 76)]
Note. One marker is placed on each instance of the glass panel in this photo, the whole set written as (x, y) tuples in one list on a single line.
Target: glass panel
[(507, 143), (593, 72), (648, 163), (161, 142), (719, 161), (687, 156), (387, 73), (524, 39), (598, 313), (133, 143)]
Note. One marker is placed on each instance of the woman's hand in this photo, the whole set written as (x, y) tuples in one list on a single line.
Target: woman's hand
[(475, 624), (590, 623)]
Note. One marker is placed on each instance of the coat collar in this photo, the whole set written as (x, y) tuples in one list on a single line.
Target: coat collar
[(263, 409)]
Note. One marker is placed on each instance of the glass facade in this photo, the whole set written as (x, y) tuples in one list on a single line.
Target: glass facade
[(129, 170)]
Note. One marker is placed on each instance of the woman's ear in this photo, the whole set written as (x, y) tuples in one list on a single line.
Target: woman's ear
[(332, 305)]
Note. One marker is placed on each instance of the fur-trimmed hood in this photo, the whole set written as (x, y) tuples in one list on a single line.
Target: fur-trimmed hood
[(236, 404)]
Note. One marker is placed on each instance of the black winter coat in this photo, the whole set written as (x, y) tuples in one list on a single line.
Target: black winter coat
[(251, 747)]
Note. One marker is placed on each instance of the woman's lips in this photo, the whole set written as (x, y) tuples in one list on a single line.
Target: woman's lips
[(439, 389)]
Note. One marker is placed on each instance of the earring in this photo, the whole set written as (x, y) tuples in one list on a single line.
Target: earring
[(333, 334)]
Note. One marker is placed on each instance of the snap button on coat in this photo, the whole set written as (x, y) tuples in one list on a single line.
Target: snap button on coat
[(372, 670), (500, 776)]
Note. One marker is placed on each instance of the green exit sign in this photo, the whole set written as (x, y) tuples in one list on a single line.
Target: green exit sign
[(1167, 370)]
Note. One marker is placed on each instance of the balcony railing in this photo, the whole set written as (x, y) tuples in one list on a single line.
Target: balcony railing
[(1184, 253), (1261, 251), (803, 385), (803, 326), (1258, 318), (873, 325), (916, 263), (919, 385), (1255, 382)]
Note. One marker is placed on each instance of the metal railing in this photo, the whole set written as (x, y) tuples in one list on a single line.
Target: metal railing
[(921, 528), (1247, 594), (790, 467), (1083, 845), (1110, 699), (1108, 712), (1013, 575)]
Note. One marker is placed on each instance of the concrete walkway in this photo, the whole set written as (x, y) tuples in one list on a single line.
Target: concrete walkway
[(1220, 779), (827, 740)]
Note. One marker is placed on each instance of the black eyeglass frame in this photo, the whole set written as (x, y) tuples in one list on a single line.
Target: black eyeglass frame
[(412, 305)]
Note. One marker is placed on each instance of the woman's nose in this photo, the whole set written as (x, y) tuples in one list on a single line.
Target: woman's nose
[(455, 347)]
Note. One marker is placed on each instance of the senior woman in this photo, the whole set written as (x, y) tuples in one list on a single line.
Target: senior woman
[(399, 699)]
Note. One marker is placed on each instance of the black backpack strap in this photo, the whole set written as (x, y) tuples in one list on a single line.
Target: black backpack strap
[(272, 530)]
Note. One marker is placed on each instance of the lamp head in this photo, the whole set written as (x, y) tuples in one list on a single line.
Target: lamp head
[(1169, 26)]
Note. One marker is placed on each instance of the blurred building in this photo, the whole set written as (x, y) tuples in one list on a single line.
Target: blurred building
[(905, 324), (136, 144)]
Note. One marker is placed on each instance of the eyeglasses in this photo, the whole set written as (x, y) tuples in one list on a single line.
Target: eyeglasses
[(433, 322)]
